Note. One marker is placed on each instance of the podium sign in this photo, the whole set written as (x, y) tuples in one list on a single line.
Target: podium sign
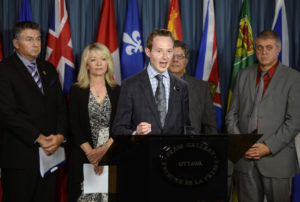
[(170, 168)]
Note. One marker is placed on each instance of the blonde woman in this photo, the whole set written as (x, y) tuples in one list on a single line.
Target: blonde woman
[(93, 101)]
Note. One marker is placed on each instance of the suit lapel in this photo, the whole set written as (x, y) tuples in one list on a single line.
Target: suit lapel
[(276, 77), (24, 71), (44, 78), (252, 81), (173, 86), (146, 89), (84, 95)]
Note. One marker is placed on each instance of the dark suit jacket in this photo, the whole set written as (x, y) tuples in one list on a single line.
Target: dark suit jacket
[(25, 112), (137, 104), (278, 119), (81, 132), (202, 112)]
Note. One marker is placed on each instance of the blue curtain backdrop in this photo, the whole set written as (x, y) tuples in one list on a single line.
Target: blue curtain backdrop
[(84, 18)]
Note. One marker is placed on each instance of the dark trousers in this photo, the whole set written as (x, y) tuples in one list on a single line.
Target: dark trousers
[(26, 185)]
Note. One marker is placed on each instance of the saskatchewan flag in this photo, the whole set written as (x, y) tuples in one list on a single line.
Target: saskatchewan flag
[(244, 55)]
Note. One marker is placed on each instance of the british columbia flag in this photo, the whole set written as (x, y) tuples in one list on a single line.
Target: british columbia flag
[(207, 67), (280, 25), (59, 45)]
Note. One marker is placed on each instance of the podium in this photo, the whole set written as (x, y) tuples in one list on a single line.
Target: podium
[(187, 168)]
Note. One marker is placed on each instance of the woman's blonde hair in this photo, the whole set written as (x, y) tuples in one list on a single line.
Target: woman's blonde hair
[(83, 80)]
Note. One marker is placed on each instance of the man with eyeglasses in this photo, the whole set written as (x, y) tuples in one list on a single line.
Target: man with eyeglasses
[(202, 113), (266, 100)]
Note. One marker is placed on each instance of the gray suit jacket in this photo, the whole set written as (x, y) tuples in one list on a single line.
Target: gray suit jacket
[(137, 104), (278, 119), (202, 112)]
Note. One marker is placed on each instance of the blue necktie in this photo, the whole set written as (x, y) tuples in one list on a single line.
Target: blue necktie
[(252, 125), (160, 99), (35, 75)]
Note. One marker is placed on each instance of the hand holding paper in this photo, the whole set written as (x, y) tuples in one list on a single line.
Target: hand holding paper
[(50, 163)]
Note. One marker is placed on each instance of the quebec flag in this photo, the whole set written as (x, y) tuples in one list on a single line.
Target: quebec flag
[(280, 26), (132, 56)]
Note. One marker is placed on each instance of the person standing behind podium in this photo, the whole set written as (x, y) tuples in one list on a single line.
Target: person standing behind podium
[(33, 115), (93, 101), (154, 101), (202, 112), (266, 100)]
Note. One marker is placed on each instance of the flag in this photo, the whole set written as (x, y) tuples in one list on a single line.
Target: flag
[(132, 57), (59, 45), (60, 53), (207, 63), (174, 21), (281, 27), (107, 35), (244, 55), (25, 13)]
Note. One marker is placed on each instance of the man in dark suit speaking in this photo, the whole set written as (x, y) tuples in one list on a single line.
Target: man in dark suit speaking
[(154, 101), (32, 115), (202, 112)]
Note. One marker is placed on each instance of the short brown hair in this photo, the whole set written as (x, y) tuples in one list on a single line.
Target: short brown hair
[(184, 47), (269, 34), (19, 27), (158, 32)]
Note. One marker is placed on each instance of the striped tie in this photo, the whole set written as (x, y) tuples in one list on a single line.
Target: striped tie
[(35, 75)]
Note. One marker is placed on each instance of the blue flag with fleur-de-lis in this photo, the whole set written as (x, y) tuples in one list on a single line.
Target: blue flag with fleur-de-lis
[(132, 53)]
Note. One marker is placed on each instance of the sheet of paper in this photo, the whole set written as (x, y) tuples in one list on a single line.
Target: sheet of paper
[(93, 183), (49, 164)]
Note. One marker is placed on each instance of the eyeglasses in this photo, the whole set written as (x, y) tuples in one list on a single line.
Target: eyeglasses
[(260, 48), (179, 56)]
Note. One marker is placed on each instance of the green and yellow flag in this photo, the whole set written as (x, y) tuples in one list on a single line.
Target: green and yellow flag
[(244, 55)]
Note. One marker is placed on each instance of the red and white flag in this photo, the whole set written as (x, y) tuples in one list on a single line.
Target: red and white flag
[(107, 35), (59, 45)]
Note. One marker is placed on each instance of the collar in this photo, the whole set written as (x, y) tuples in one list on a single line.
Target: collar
[(271, 71), (25, 61), (152, 72)]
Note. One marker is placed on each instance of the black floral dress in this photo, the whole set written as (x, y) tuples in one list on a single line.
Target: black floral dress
[(99, 115)]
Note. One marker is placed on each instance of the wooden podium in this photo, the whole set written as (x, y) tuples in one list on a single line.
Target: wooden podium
[(183, 168)]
